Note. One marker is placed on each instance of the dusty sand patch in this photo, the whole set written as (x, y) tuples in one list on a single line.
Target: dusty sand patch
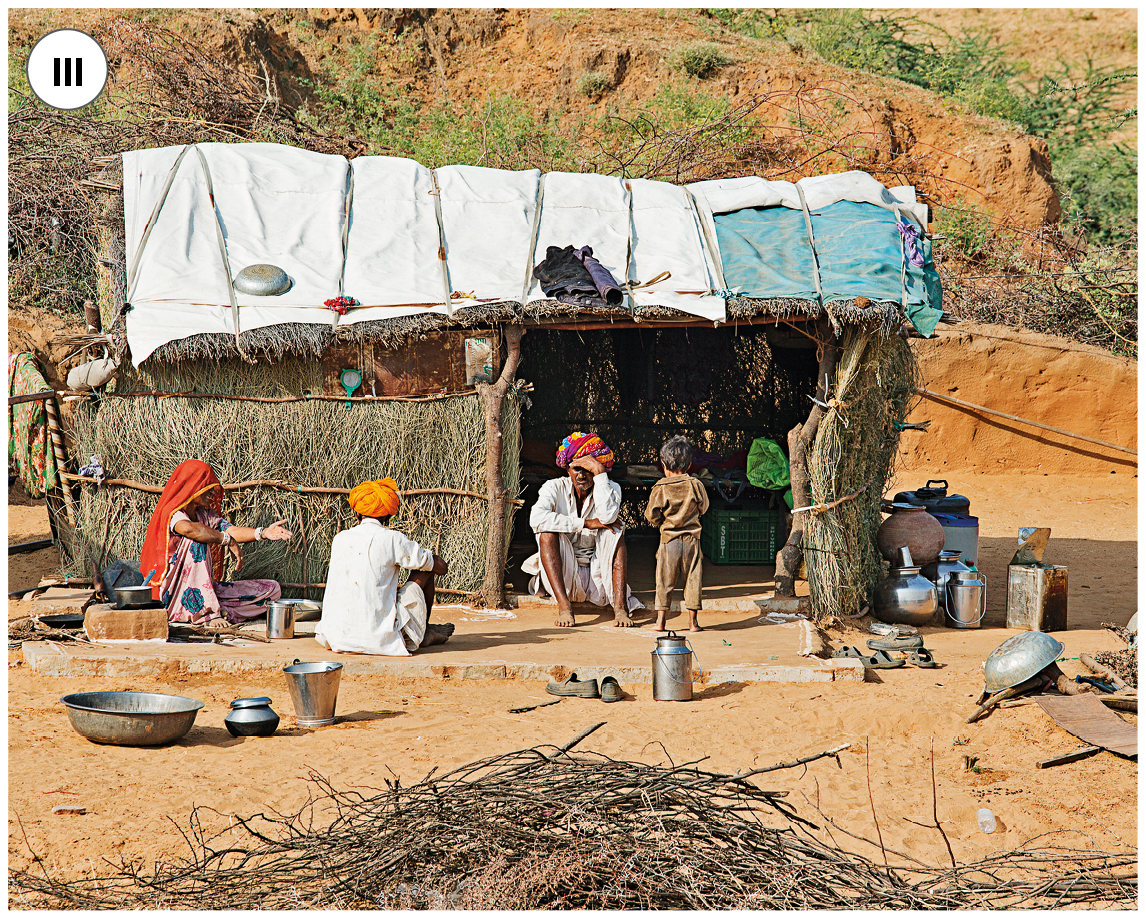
[(406, 727)]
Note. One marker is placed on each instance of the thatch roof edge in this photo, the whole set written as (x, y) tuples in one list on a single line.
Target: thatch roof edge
[(311, 340)]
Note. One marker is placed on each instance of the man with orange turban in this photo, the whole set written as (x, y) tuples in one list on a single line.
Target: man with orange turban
[(581, 553), (364, 611)]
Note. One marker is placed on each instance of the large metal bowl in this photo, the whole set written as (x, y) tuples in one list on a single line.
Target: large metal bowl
[(131, 719), (262, 281), (1019, 658)]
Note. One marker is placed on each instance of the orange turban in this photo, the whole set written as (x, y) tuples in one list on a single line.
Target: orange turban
[(375, 499)]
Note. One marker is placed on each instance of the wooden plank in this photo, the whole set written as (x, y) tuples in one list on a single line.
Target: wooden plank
[(339, 356), (1090, 721), (1072, 757), (31, 397)]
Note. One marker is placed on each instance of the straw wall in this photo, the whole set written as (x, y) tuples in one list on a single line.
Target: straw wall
[(435, 444)]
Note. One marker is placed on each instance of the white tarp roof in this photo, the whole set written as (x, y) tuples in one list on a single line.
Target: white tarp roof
[(401, 238)]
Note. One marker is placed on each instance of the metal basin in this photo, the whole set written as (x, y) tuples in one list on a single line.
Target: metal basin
[(134, 597), (131, 719), (262, 281), (1019, 658)]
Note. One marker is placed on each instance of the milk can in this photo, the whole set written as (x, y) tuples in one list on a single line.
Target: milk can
[(966, 596), (672, 668)]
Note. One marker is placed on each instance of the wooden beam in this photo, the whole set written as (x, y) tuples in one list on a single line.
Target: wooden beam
[(1072, 757), (493, 395), (31, 397)]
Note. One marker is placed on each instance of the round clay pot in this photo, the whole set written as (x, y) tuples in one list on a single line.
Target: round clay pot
[(910, 525)]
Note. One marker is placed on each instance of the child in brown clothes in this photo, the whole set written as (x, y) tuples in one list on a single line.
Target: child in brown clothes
[(675, 505)]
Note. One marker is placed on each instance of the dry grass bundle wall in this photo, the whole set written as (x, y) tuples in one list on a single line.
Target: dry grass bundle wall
[(437, 444), (876, 377)]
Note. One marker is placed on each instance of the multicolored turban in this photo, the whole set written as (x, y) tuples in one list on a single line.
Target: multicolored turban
[(577, 445), (375, 498)]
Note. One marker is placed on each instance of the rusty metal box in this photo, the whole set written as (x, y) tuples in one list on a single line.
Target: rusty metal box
[(1036, 597)]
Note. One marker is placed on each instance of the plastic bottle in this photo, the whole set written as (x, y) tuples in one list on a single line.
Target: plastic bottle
[(986, 820)]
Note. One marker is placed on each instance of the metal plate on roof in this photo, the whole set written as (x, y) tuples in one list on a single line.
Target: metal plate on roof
[(262, 281)]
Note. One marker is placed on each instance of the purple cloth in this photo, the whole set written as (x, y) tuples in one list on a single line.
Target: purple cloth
[(606, 284), (910, 242)]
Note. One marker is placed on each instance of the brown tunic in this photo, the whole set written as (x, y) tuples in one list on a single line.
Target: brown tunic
[(675, 506)]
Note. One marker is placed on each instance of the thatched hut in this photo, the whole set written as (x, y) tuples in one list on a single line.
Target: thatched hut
[(741, 297)]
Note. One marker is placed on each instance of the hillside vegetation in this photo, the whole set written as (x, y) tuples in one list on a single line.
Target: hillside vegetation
[(1031, 171)]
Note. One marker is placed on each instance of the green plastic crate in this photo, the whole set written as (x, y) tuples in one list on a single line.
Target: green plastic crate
[(740, 534)]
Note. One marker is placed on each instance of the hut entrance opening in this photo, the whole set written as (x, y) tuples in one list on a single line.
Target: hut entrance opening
[(722, 388)]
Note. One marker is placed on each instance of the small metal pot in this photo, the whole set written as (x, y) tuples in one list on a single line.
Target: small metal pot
[(133, 597), (252, 718), (280, 619)]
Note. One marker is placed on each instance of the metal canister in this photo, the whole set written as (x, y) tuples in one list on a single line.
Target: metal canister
[(672, 668), (939, 571), (966, 599), (280, 619)]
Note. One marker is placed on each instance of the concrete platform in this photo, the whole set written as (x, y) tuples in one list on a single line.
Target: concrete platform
[(738, 645)]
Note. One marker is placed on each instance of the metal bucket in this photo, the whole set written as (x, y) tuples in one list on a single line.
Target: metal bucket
[(280, 619), (966, 596), (314, 691), (672, 669)]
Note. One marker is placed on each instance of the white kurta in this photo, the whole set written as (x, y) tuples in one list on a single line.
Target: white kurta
[(363, 610), (556, 512)]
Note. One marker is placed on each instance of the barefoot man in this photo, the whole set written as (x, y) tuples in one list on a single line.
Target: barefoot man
[(363, 609), (581, 553)]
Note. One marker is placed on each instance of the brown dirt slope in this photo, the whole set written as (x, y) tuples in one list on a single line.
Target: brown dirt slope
[(539, 55), (1054, 381)]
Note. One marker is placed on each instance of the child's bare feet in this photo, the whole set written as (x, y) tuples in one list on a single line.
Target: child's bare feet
[(660, 623), (565, 618), (693, 625)]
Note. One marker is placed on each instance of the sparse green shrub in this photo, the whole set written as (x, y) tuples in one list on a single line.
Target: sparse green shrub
[(593, 83), (699, 59), (967, 231)]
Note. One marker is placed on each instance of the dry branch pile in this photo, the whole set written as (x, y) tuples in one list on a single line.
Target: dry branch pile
[(546, 829)]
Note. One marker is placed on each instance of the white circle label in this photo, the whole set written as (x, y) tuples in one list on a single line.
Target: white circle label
[(67, 69)]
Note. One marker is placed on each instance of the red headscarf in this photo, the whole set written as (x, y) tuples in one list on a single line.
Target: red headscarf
[(190, 479)]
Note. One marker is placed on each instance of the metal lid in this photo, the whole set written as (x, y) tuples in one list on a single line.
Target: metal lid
[(253, 702), (262, 281)]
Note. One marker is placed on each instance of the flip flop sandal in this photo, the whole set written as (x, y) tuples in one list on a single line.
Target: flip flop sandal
[(849, 651), (921, 657), (896, 643), (586, 689), (611, 690), (881, 660)]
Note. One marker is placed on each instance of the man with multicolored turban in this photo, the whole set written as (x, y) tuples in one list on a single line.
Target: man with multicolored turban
[(363, 610), (581, 553)]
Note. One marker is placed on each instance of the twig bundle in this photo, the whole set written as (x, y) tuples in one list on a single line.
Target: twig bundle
[(439, 444), (855, 448), (544, 829)]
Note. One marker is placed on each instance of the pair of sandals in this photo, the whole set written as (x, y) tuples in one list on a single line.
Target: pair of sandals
[(917, 655), (608, 691)]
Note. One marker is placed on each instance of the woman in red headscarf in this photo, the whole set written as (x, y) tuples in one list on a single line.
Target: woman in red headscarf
[(185, 545)]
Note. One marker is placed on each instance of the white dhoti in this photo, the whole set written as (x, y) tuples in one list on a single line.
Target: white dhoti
[(412, 615), (592, 583)]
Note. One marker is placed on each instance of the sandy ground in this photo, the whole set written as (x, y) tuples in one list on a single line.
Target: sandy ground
[(394, 726)]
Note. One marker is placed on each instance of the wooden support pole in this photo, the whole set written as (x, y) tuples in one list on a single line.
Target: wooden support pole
[(61, 456), (493, 395), (801, 440)]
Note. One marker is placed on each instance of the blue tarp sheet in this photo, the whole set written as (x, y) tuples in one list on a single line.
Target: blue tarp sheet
[(766, 254)]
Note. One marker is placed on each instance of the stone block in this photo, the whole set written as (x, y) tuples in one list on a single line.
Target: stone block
[(105, 623)]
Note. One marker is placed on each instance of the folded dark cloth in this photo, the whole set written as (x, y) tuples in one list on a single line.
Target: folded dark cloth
[(563, 273), (606, 284)]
